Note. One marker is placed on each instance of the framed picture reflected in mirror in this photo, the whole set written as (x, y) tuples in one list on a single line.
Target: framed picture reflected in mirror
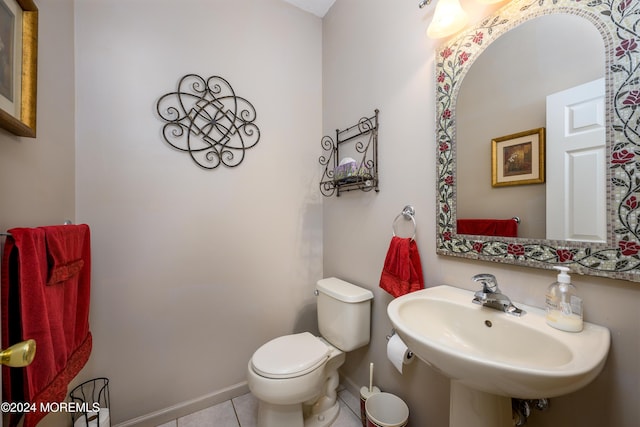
[(518, 159)]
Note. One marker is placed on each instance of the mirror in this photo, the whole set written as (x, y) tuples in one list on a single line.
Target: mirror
[(618, 254), (544, 55)]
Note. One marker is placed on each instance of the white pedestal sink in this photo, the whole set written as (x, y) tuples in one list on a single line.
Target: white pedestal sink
[(491, 356)]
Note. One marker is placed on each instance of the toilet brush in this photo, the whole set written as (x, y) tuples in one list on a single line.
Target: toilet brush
[(366, 393)]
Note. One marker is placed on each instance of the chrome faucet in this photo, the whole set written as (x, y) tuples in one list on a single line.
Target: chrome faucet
[(491, 296)]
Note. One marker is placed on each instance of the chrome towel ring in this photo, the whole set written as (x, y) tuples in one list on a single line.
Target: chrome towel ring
[(408, 213)]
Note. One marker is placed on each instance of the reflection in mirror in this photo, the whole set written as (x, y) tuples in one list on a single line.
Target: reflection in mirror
[(614, 254), (503, 93)]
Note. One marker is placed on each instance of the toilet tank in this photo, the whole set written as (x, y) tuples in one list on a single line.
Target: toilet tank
[(344, 313)]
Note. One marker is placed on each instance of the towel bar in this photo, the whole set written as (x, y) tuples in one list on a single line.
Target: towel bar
[(66, 222), (408, 212)]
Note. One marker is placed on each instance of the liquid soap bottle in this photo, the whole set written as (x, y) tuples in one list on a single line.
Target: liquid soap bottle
[(564, 306)]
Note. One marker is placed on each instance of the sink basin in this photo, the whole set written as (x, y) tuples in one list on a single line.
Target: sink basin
[(492, 352)]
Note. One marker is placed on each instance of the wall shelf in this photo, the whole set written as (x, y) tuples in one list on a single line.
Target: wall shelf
[(358, 143)]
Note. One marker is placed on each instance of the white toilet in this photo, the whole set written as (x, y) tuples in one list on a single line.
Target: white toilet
[(295, 377)]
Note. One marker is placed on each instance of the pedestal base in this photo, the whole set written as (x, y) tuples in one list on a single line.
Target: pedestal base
[(472, 408)]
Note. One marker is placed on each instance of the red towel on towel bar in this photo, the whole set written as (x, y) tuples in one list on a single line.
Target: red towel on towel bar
[(402, 271), (488, 227), (46, 274)]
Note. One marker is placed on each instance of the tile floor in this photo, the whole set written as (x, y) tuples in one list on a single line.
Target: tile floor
[(243, 411)]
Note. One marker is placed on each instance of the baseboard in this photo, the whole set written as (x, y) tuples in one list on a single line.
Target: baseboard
[(185, 408), (350, 385)]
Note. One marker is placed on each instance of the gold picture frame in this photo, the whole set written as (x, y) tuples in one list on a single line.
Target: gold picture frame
[(18, 66), (518, 159)]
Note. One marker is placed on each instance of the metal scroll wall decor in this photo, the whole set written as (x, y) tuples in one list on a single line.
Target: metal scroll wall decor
[(205, 118)]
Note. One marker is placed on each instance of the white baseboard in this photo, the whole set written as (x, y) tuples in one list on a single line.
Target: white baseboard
[(184, 408), (350, 385)]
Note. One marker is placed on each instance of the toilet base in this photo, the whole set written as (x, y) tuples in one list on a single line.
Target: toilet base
[(324, 418), (279, 415)]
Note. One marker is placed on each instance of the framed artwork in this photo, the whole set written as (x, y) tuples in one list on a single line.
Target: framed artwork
[(18, 66), (518, 159)]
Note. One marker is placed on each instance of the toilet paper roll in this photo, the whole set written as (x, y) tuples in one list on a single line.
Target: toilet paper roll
[(398, 353)]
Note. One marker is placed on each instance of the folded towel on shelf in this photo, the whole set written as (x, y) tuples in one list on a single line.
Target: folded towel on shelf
[(45, 291), (488, 227), (402, 271)]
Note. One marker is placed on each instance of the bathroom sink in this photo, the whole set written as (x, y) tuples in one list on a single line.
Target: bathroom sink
[(492, 352)]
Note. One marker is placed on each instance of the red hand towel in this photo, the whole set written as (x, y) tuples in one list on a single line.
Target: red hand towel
[(56, 316), (507, 228), (402, 271), (488, 227)]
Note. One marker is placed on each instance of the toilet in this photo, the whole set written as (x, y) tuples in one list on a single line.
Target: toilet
[(295, 377)]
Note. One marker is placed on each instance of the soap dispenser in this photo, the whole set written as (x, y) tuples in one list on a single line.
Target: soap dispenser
[(564, 306)]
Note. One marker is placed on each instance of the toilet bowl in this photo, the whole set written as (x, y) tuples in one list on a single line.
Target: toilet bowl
[(295, 377)]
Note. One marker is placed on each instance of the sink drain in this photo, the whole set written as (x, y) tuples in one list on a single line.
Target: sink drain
[(488, 323)]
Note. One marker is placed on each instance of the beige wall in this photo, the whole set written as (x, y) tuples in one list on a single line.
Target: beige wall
[(376, 55), (37, 178), (195, 269)]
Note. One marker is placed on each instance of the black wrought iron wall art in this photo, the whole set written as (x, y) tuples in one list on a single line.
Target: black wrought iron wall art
[(343, 173), (205, 118)]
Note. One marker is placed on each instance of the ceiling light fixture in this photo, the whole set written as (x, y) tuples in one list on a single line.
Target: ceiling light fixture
[(448, 19)]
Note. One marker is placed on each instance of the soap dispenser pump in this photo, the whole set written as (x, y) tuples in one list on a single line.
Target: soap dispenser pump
[(564, 305)]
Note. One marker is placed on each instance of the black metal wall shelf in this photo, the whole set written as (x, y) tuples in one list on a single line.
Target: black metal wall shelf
[(359, 141)]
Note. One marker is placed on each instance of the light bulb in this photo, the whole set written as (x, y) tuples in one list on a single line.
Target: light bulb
[(448, 19)]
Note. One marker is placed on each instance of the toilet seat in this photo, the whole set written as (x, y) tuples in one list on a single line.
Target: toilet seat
[(290, 356)]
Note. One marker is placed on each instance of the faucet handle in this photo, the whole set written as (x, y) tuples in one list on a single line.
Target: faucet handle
[(488, 281)]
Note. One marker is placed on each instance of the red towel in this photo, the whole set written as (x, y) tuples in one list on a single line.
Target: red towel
[(46, 274), (488, 227), (402, 271)]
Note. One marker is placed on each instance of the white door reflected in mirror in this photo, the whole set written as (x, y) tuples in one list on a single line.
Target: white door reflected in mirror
[(576, 164)]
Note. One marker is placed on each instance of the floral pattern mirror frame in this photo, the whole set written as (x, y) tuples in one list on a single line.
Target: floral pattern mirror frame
[(617, 21)]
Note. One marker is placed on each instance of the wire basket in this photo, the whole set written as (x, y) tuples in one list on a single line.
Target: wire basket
[(91, 400)]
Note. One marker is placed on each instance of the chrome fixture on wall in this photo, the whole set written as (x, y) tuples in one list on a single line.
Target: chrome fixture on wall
[(206, 119), (409, 214), (491, 296), (521, 409)]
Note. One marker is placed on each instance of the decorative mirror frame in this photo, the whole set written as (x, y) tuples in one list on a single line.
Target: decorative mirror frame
[(617, 22)]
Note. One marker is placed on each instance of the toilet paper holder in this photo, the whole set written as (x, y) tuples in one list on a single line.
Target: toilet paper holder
[(393, 332)]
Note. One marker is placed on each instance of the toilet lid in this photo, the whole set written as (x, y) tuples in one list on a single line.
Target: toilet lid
[(290, 356)]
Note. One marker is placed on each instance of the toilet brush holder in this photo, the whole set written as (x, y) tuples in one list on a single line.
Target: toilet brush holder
[(365, 393)]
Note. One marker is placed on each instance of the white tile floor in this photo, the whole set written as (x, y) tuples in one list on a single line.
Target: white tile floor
[(243, 411)]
